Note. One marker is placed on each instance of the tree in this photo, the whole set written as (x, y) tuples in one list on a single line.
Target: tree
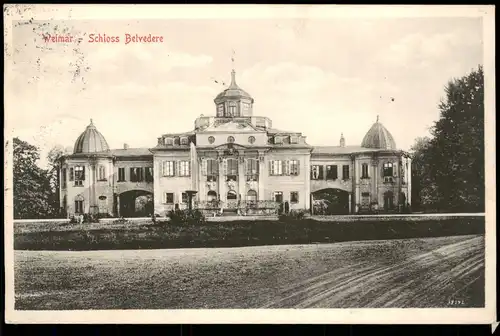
[(53, 172), (30, 182), (451, 163)]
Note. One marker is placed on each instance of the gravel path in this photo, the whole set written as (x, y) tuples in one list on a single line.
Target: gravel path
[(415, 273)]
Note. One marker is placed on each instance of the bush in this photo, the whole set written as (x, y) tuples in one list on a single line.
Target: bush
[(189, 217), (293, 215)]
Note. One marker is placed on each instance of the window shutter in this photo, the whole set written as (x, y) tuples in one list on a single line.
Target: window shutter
[(271, 167), (286, 167), (335, 172), (204, 165), (71, 174), (162, 168), (189, 167), (382, 171), (395, 170), (164, 198), (298, 167), (320, 173), (177, 169), (83, 174)]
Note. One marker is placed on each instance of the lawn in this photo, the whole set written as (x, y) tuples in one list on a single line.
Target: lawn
[(148, 235), (398, 273)]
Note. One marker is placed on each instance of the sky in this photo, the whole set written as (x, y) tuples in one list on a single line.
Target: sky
[(321, 77)]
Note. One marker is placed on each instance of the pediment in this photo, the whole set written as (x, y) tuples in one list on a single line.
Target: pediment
[(229, 147)]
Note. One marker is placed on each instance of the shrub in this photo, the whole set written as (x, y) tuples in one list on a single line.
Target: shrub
[(189, 217), (294, 214)]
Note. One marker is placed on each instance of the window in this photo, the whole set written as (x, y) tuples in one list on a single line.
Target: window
[(168, 168), (230, 139), (231, 195), (184, 197), (294, 139), (185, 169), (121, 174), (388, 169), (63, 178), (252, 170), (79, 175), (220, 110), (294, 167), (149, 174), (364, 171), (345, 172), (136, 174), (233, 110), (246, 107), (211, 139), (211, 170), (332, 172), (184, 141), (251, 139), (168, 198), (278, 140), (211, 196), (276, 168), (232, 170), (102, 173), (78, 206), (278, 196), (252, 196), (169, 141), (294, 197), (316, 172)]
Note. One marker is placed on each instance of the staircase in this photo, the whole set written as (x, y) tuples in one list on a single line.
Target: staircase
[(229, 212)]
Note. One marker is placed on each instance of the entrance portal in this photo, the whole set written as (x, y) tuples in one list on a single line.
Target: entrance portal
[(136, 203), (331, 201)]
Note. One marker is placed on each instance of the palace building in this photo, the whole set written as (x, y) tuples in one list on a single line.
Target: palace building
[(235, 162)]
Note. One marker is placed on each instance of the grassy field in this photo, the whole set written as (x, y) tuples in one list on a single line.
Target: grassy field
[(147, 235), (417, 273)]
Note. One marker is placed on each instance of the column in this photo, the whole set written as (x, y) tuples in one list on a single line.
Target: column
[(262, 178), (241, 179), (350, 203), (222, 183), (118, 204)]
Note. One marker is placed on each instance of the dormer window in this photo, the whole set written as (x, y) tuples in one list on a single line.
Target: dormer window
[(184, 141), (246, 107), (294, 139), (169, 141), (278, 140)]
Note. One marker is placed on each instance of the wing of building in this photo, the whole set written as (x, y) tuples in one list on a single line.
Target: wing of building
[(235, 161)]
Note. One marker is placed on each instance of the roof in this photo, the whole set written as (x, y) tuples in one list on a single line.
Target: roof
[(233, 90), (277, 131), (340, 150), (378, 137), (131, 152), (90, 141)]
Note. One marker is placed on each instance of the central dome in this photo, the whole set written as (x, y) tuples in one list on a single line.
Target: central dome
[(233, 91), (90, 141), (378, 137)]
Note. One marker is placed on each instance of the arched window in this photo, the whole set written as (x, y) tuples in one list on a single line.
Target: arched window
[(233, 110), (212, 196), (252, 170), (232, 170), (79, 204), (388, 200), (212, 170), (364, 170), (252, 195), (230, 139), (231, 195)]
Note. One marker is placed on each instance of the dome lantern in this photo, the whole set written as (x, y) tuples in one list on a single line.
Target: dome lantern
[(90, 141), (233, 101), (378, 137)]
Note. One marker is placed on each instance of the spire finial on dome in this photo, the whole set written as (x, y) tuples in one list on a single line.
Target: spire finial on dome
[(377, 117), (91, 122)]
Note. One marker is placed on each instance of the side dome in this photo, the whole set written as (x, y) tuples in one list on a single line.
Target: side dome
[(233, 91), (90, 141), (379, 137)]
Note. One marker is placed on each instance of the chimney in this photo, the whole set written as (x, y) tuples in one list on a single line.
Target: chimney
[(342, 140), (125, 146)]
